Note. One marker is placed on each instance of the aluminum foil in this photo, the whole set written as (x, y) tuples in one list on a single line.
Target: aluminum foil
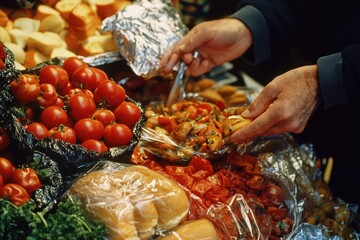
[(144, 31)]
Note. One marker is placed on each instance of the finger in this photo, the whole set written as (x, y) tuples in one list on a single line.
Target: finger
[(258, 127), (260, 103), (202, 67)]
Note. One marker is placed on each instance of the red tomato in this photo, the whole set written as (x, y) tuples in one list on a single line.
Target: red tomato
[(59, 102), (100, 75), (53, 116), (39, 130), (6, 169), (4, 139), (48, 95), (72, 63), (1, 181), (105, 116), (84, 78), (54, 75), (88, 128), (15, 193), (94, 145), (127, 113), (81, 106), (117, 135), (65, 90), (64, 133), (109, 94), (27, 178), (26, 89)]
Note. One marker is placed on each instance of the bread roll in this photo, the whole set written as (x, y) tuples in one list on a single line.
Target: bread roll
[(132, 202), (201, 229)]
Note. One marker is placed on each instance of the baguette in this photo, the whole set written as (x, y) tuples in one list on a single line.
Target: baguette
[(43, 11), (65, 7)]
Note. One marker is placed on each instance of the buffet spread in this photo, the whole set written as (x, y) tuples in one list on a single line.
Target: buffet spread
[(90, 150)]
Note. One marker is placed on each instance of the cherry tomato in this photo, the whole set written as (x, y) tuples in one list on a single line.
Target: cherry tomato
[(26, 89), (54, 75), (84, 78), (81, 106), (127, 113), (53, 116), (100, 75), (6, 169), (15, 193), (117, 135), (59, 102), (72, 63), (4, 139), (65, 90), (1, 181), (27, 178), (105, 116), (48, 95), (109, 94), (64, 133), (94, 145), (39, 130), (88, 128)]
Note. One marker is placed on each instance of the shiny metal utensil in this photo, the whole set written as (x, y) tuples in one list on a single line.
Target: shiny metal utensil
[(178, 89)]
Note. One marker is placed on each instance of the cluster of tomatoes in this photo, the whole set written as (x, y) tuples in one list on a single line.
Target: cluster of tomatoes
[(17, 184), (76, 103)]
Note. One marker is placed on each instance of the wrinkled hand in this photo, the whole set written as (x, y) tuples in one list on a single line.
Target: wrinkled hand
[(284, 105), (216, 41)]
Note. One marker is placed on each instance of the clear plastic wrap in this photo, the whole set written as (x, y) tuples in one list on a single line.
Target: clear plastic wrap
[(134, 202), (244, 209), (143, 32)]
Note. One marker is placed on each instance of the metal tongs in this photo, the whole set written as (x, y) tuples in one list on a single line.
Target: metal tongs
[(178, 89)]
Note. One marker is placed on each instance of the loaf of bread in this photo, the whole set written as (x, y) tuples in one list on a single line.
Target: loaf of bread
[(133, 202)]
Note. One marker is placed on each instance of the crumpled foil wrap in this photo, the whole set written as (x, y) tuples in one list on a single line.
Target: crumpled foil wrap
[(144, 31)]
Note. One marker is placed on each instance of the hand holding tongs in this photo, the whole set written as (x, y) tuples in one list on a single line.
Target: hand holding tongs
[(178, 90)]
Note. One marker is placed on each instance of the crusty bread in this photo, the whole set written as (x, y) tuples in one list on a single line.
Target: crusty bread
[(83, 21), (43, 11), (132, 202), (65, 7)]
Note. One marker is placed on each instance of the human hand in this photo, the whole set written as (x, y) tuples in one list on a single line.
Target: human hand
[(216, 41), (284, 105)]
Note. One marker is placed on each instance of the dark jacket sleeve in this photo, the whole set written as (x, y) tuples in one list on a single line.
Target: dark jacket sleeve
[(286, 19), (332, 26)]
